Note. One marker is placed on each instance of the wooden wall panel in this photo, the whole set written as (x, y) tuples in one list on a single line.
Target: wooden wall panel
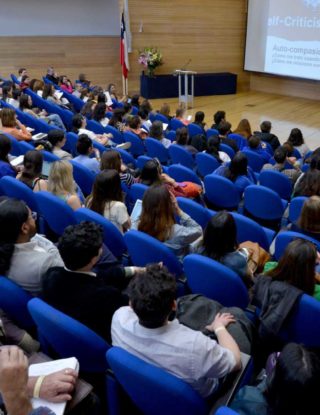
[(209, 32), (96, 56), (285, 86)]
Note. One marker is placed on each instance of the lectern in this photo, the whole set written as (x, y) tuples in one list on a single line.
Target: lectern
[(188, 79)]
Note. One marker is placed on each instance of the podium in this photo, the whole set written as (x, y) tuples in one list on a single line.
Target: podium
[(184, 84)]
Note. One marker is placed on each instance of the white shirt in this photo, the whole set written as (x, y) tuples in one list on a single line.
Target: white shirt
[(224, 157), (31, 260), (89, 133), (181, 351), (117, 213)]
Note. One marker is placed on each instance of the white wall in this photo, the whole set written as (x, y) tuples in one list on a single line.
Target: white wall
[(59, 17)]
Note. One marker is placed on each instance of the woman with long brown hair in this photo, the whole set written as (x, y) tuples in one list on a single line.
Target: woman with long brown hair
[(308, 222), (244, 129), (11, 125), (112, 160), (158, 219)]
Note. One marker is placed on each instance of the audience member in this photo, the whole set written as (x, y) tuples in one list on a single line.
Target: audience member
[(134, 127), (308, 222), (224, 129), (217, 118), (52, 75), (31, 174), (87, 109), (144, 330), (283, 165), (266, 135), (213, 148), (254, 144), (182, 139), (111, 160), (79, 124), (116, 120), (156, 132), (244, 129), (21, 73), (199, 120), (75, 289), (99, 114), (180, 115), (165, 110), (11, 125), (296, 139), (65, 84), (6, 169), (85, 150), (58, 140)]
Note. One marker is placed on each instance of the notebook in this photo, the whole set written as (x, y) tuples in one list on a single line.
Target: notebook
[(46, 167), (39, 136), (47, 368), (17, 161), (58, 94), (136, 211)]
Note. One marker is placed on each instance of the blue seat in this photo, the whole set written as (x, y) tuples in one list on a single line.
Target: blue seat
[(12, 187), (55, 211), (95, 127), (300, 326), (14, 79), (295, 208), (214, 280), (156, 149), (255, 161), (296, 153), (141, 161), (180, 155), (14, 301), (137, 145), (194, 129), (183, 174), (221, 192), (175, 124), (112, 237), (83, 176), (71, 144), (196, 211), (117, 136), (153, 390), (126, 157), (50, 157), (264, 204), (227, 149), (305, 167), (75, 101), (152, 116), (284, 238), (137, 191), (277, 182), (15, 148), (68, 337), (25, 147), (249, 230), (134, 110), (206, 164), (224, 410), (171, 135), (240, 141), (211, 131), (161, 117), (287, 165), (144, 249)]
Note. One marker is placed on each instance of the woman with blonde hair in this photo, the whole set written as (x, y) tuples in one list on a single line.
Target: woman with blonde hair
[(165, 110), (244, 129), (11, 125), (62, 185)]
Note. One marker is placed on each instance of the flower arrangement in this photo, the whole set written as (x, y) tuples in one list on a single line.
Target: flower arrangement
[(150, 58)]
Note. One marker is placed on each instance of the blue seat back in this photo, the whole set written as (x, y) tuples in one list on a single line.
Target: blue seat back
[(68, 337), (112, 237), (211, 131), (180, 155), (75, 101), (284, 238), (137, 146), (153, 390), (194, 129), (224, 410), (144, 249), (126, 157), (95, 127), (221, 191), (162, 118), (255, 161), (295, 208), (14, 79), (71, 144), (277, 182), (156, 149), (206, 164), (55, 211), (214, 280), (134, 110), (183, 174), (137, 191), (117, 137), (15, 148), (227, 149), (14, 301), (196, 211), (263, 203), (12, 187), (171, 135), (296, 153), (175, 124), (83, 176), (141, 161), (50, 157), (240, 141)]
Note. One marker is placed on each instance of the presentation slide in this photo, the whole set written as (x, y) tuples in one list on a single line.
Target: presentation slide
[(283, 38)]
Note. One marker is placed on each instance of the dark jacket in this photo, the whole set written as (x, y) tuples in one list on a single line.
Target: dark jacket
[(230, 142), (268, 138), (84, 297)]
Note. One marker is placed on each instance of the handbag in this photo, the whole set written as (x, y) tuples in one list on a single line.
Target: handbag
[(257, 256)]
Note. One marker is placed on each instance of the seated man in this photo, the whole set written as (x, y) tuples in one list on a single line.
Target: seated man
[(224, 129), (75, 289), (144, 330), (266, 135), (282, 165), (255, 145), (85, 149)]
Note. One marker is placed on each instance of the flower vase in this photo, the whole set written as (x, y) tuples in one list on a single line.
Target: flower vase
[(150, 72)]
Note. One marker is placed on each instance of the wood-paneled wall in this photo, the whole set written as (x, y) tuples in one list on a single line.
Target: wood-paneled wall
[(209, 32), (96, 56)]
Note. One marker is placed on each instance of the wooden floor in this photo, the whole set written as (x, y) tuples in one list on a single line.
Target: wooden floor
[(285, 113)]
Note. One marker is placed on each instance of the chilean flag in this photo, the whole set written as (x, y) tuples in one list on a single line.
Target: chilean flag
[(124, 59)]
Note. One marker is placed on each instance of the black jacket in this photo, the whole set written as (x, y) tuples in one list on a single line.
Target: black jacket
[(84, 297), (268, 138)]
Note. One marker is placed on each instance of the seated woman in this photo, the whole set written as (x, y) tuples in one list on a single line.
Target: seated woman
[(309, 219), (65, 84), (156, 132), (291, 386), (87, 109), (62, 185), (37, 85), (297, 267), (182, 139), (99, 114), (308, 183), (49, 94), (213, 148), (113, 94), (158, 219), (117, 121), (58, 139), (31, 173), (134, 126), (199, 121), (244, 129), (79, 124), (10, 95), (165, 110), (107, 199), (111, 160), (238, 172), (25, 105), (297, 140), (6, 169), (135, 100), (219, 242), (11, 125), (180, 115)]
